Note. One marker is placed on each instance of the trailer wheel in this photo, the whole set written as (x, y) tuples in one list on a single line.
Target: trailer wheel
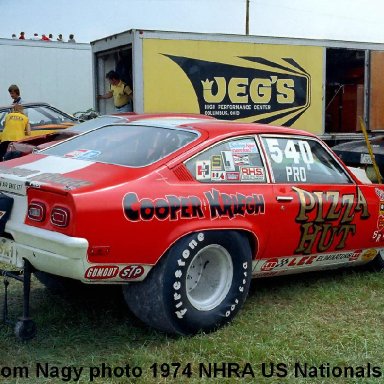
[(58, 284), (199, 285)]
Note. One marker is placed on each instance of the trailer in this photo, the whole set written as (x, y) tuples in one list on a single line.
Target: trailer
[(321, 86), (54, 72)]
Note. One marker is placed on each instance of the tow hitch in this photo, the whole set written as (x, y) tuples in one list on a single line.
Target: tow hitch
[(24, 327)]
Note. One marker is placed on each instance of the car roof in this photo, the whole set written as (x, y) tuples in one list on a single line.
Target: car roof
[(217, 127)]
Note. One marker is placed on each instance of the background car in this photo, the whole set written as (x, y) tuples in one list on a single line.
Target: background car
[(43, 118), (356, 154), (183, 212)]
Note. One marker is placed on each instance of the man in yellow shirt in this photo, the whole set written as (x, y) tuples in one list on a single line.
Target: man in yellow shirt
[(121, 93), (16, 127)]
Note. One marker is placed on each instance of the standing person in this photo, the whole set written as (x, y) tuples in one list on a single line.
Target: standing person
[(44, 37), (22, 36), (14, 36), (16, 127), (121, 93), (35, 37), (14, 92), (71, 38), (60, 38)]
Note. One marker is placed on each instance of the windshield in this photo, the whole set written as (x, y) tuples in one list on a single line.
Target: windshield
[(130, 145)]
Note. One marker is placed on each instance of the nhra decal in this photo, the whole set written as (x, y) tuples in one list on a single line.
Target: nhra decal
[(323, 228), (216, 205), (260, 90)]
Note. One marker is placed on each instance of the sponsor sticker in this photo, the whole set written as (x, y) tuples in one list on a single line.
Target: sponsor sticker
[(243, 146), (252, 174), (369, 255), (229, 164), (203, 170), (241, 158), (101, 272), (216, 163), (218, 175), (83, 154), (131, 272), (233, 176)]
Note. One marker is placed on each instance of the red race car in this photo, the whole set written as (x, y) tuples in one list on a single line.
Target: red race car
[(182, 213)]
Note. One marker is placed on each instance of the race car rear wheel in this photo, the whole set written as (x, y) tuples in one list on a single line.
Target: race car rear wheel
[(199, 285)]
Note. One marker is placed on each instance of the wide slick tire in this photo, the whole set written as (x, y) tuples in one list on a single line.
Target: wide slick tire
[(199, 285)]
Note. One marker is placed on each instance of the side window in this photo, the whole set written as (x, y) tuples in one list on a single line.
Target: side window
[(302, 160), (228, 162)]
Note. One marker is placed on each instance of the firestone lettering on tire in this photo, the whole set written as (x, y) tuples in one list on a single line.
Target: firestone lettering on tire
[(180, 312)]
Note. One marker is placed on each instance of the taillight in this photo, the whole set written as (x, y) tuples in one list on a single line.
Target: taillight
[(60, 216), (36, 211)]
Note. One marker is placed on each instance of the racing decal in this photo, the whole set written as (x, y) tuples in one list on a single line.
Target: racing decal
[(216, 163), (101, 272), (218, 176), (323, 228), (50, 170), (233, 176), (203, 170), (215, 205), (131, 272), (288, 263), (85, 154), (229, 163), (224, 205), (243, 146), (378, 234), (369, 254), (252, 174), (260, 90), (299, 154), (241, 158), (116, 272)]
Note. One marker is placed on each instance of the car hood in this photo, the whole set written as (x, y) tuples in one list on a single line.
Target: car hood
[(66, 174)]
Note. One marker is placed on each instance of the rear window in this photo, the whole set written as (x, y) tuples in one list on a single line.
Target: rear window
[(129, 145)]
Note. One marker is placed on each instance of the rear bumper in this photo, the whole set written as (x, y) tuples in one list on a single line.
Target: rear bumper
[(47, 251)]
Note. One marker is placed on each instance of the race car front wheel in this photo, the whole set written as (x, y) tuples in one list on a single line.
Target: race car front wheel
[(199, 285)]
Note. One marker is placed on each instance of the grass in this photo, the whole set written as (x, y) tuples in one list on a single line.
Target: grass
[(333, 318)]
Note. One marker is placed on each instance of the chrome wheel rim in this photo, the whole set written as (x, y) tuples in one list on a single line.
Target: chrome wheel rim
[(209, 277)]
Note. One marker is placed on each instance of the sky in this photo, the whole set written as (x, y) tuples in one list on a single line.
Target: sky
[(88, 20)]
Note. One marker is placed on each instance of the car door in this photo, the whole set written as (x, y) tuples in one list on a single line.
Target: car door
[(321, 209)]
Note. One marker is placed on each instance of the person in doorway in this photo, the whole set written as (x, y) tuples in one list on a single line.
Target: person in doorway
[(121, 93), (14, 92), (16, 127)]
